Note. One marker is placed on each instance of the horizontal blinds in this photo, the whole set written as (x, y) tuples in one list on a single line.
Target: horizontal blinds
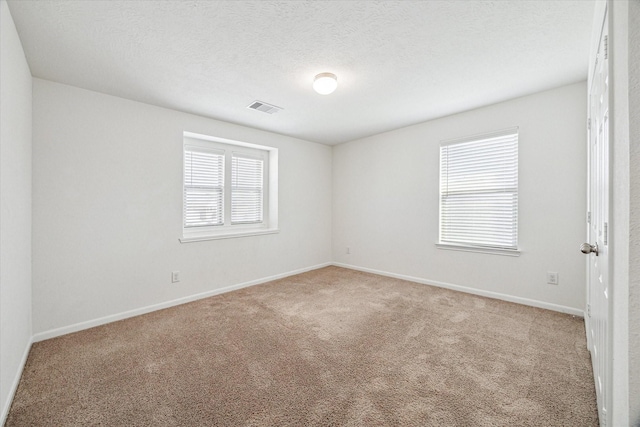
[(247, 182), (479, 191), (203, 187)]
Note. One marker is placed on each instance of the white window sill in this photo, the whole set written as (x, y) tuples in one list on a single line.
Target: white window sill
[(494, 251), (231, 234)]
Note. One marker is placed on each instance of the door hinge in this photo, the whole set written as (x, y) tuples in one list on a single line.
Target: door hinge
[(588, 217), (588, 310), (606, 233), (606, 47), (589, 124)]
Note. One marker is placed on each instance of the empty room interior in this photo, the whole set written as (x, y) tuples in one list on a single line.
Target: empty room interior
[(292, 213)]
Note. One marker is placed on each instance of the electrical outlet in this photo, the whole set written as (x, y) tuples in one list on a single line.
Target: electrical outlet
[(552, 277), (175, 276), (348, 250)]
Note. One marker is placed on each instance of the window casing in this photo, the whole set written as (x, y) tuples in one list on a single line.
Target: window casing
[(229, 188), (479, 193)]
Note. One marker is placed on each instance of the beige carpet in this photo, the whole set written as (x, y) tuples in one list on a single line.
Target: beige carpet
[(332, 347)]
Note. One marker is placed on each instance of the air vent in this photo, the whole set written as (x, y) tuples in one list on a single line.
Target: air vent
[(264, 107)]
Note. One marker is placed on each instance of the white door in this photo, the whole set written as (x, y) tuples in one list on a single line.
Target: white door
[(597, 247)]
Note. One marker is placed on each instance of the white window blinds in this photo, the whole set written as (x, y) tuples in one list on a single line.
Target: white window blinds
[(479, 191), (203, 187), (247, 184)]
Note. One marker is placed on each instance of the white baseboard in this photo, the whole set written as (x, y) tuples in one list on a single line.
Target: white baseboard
[(6, 405), (490, 294), (41, 336), (143, 310)]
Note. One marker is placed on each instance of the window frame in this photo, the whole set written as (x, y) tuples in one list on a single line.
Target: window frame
[(470, 246), (228, 147)]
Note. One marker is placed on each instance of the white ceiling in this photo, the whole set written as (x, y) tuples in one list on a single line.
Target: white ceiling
[(397, 62)]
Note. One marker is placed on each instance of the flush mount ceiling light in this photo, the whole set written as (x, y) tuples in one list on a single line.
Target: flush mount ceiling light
[(325, 83)]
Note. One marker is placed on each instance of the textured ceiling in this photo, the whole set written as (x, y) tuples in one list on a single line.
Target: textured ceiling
[(397, 62)]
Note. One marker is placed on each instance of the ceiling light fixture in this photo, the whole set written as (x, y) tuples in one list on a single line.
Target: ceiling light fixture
[(325, 83)]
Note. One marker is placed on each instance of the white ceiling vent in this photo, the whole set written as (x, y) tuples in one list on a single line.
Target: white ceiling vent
[(264, 107)]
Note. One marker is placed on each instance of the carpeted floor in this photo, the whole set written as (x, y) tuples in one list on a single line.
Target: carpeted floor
[(332, 347)]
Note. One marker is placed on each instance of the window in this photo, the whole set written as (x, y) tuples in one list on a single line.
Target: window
[(247, 185), (229, 188), (479, 193), (203, 187)]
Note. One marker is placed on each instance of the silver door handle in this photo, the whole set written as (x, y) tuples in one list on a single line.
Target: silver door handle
[(586, 248)]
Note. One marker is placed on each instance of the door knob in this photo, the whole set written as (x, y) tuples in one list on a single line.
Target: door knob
[(586, 248)]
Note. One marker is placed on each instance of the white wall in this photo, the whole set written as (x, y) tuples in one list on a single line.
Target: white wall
[(107, 209), (15, 209), (634, 217), (385, 205)]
